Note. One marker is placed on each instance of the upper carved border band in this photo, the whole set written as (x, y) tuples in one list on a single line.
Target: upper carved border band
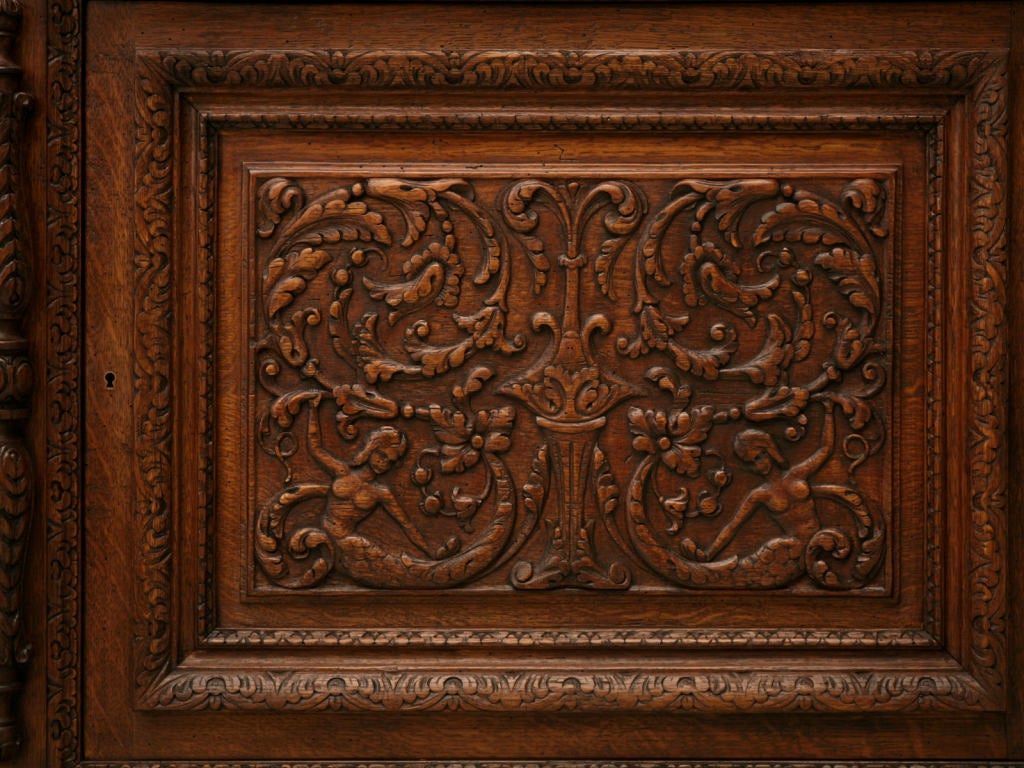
[(544, 69)]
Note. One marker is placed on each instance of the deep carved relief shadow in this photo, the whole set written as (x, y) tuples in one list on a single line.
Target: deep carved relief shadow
[(472, 341)]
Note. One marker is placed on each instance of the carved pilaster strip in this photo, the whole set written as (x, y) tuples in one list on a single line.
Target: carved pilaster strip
[(15, 385), (988, 382), (63, 379), (154, 318), (205, 297)]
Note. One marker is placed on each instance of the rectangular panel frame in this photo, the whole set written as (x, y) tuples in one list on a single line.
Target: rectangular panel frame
[(968, 455)]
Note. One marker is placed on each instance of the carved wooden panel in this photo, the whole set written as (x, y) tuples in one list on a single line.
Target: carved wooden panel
[(498, 290), (632, 386), (665, 370)]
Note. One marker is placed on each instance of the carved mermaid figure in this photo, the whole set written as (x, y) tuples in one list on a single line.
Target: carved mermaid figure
[(789, 497), (786, 494), (354, 495), (300, 557)]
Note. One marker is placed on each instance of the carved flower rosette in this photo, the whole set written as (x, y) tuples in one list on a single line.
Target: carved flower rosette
[(601, 383)]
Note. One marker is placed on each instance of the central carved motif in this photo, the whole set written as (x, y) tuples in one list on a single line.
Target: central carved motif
[(585, 382)]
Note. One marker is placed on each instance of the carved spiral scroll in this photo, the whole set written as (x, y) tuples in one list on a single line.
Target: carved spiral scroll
[(338, 242), (759, 250)]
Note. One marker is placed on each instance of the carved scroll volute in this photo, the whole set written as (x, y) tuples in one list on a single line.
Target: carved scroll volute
[(15, 384)]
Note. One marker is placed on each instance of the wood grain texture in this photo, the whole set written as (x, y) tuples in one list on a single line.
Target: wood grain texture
[(955, 649), (715, 764), (348, 210)]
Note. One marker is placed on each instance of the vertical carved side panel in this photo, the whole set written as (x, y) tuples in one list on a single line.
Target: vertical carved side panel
[(63, 281), (15, 385)]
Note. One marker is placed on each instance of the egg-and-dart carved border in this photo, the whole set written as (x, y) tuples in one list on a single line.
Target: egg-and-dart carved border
[(980, 76), (562, 638)]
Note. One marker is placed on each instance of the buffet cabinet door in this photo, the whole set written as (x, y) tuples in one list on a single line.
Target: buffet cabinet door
[(526, 383)]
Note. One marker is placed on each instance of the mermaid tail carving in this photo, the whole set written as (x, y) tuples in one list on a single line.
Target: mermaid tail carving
[(774, 564), (370, 563), (270, 539)]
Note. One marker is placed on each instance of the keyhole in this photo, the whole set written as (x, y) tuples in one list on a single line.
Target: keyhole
[(109, 377)]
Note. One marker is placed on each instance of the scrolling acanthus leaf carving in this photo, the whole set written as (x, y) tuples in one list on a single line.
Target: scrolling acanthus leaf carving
[(801, 234), (795, 327), (336, 235)]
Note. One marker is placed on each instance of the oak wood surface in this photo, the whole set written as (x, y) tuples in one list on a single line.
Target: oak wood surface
[(193, 606)]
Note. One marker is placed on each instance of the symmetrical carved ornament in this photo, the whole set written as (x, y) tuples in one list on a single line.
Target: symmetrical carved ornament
[(756, 308), (576, 690), (771, 291)]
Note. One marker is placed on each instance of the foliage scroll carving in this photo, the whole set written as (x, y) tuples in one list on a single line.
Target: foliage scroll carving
[(756, 315)]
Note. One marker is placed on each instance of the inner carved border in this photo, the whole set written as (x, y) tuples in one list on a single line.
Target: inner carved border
[(981, 75), (64, 426)]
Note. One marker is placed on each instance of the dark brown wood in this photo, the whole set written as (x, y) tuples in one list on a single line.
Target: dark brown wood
[(1015, 709), (511, 384), (16, 384)]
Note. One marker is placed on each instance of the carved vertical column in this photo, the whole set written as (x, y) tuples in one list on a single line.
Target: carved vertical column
[(15, 384)]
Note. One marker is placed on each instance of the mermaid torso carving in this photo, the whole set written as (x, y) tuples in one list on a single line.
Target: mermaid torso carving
[(786, 493)]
